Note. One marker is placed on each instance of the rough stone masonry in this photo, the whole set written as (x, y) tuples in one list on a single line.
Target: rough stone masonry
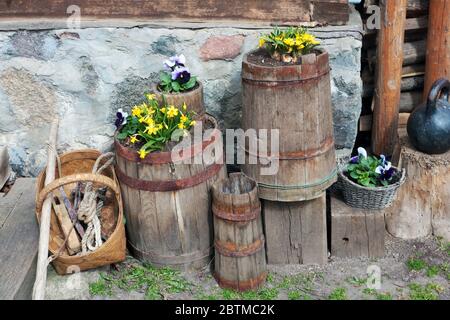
[(85, 75)]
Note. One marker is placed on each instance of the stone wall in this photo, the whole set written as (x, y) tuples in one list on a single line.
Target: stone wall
[(85, 75)]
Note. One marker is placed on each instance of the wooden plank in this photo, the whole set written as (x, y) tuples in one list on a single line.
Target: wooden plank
[(331, 12), (296, 231), (282, 11), (73, 244), (8, 202), (356, 232), (19, 237), (388, 83), (438, 44)]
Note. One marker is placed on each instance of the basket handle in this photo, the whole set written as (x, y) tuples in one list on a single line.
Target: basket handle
[(85, 177)]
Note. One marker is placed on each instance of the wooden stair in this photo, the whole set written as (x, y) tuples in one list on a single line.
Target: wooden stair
[(19, 237)]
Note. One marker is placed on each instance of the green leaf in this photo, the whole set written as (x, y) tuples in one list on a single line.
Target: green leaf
[(190, 84), (176, 86), (122, 135), (165, 78)]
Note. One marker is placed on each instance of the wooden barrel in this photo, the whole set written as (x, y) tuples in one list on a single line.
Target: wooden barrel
[(76, 166), (296, 100), (240, 259), (192, 98), (167, 205)]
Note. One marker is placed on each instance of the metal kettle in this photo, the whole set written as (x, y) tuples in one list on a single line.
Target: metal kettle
[(429, 124)]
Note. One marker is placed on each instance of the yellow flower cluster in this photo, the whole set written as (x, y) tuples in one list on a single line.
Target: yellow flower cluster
[(293, 41), (151, 126)]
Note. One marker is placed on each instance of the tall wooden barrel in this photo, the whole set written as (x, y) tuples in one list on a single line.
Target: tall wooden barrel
[(167, 205), (296, 100), (240, 259)]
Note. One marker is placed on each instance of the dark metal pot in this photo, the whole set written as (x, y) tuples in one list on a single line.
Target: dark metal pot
[(429, 124)]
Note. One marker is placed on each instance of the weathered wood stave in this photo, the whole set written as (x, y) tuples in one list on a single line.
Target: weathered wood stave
[(192, 98)]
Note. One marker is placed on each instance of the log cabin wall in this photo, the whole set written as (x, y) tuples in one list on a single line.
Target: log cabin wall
[(413, 73), (335, 12)]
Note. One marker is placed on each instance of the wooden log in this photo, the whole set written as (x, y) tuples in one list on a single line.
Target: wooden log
[(407, 84), (356, 232), (389, 74), (288, 11), (423, 203), (240, 257), (300, 100), (19, 235), (438, 44), (73, 244), (409, 101), (44, 229), (413, 53), (296, 232)]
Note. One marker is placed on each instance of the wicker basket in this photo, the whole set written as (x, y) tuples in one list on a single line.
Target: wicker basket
[(76, 167), (374, 198)]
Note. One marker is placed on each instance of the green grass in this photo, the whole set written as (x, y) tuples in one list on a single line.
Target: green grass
[(416, 264), (298, 295), (264, 293), (433, 271), (356, 281), (100, 288), (156, 283), (378, 295), (443, 245), (338, 294), (429, 291)]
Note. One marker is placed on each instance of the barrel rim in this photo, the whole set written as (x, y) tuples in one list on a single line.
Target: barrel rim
[(323, 55), (155, 90), (165, 157)]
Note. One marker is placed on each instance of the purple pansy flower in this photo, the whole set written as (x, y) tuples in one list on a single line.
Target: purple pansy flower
[(174, 62), (385, 169), (121, 118), (181, 74), (354, 160)]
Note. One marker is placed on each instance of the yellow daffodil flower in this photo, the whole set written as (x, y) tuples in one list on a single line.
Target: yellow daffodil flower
[(163, 110), (134, 139), (143, 153), (184, 106), (262, 42), (149, 120), (151, 96), (136, 112), (181, 126), (193, 123), (151, 129), (184, 118), (289, 42), (172, 112)]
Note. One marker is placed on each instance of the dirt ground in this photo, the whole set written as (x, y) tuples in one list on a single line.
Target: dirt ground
[(416, 269)]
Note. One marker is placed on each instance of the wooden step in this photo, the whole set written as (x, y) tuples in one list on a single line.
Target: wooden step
[(19, 236), (356, 232)]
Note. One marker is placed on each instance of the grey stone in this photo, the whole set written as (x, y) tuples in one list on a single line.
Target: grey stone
[(165, 45), (32, 44)]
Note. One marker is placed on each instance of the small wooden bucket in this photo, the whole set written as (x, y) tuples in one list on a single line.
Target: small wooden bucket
[(240, 259), (76, 166)]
